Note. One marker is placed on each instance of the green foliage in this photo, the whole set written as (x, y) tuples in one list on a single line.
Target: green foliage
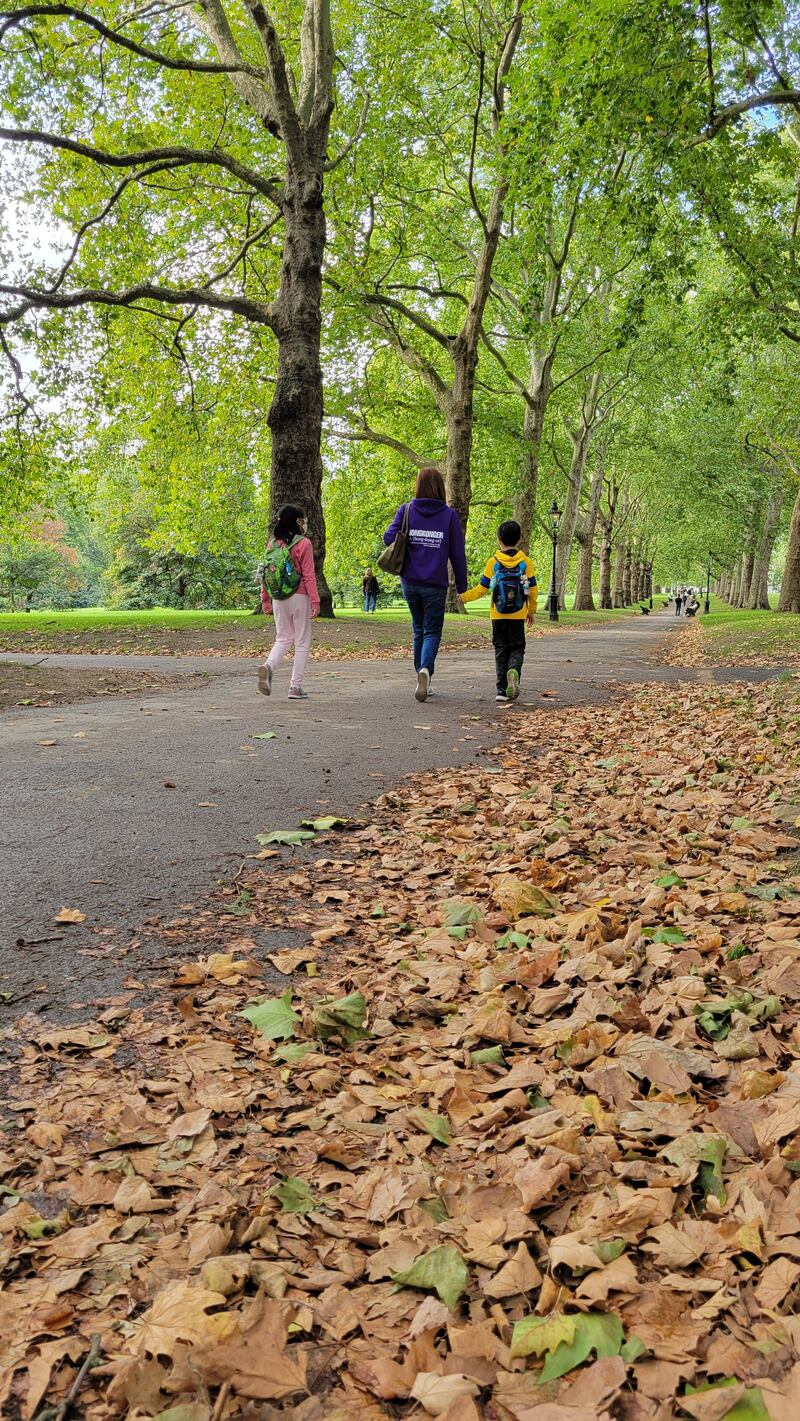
[(441, 1270), (649, 237), (274, 1018)]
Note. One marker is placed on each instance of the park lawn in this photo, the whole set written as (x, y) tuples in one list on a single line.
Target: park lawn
[(165, 631), (727, 637)]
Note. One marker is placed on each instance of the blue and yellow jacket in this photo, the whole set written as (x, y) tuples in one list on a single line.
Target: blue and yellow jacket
[(486, 584)]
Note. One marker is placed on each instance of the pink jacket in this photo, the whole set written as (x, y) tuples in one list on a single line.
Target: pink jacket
[(303, 559)]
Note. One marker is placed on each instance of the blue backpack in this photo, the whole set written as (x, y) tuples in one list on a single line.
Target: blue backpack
[(510, 587)]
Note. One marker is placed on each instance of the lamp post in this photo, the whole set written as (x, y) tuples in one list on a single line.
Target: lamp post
[(707, 606), (552, 596)]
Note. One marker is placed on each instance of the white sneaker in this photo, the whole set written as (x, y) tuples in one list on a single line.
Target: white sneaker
[(423, 682)]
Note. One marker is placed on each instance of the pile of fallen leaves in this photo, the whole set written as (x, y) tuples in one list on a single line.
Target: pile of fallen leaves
[(773, 641), (519, 1140)]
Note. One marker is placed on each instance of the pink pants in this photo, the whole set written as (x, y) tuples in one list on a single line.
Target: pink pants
[(292, 627)]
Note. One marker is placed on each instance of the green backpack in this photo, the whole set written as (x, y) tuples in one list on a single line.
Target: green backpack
[(281, 577)]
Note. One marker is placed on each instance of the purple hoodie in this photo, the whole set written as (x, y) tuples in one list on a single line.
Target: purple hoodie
[(435, 537)]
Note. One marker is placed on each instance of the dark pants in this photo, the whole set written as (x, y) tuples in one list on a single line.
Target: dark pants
[(508, 638), (426, 605)]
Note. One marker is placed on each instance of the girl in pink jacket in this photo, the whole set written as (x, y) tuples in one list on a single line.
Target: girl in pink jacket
[(293, 614)]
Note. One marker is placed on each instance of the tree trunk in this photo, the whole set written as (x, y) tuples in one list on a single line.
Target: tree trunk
[(759, 585), (618, 596), (295, 415), (736, 580), (581, 438), (746, 575), (604, 568), (584, 599), (627, 577), (790, 586), (455, 401), (540, 388)]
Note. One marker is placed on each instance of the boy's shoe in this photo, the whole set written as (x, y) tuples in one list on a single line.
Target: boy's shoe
[(423, 684), (501, 699), (265, 680), (513, 685), (296, 693)]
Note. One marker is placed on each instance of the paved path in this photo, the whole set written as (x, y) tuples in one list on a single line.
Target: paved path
[(143, 803)]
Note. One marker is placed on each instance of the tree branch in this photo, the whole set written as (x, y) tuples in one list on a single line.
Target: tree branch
[(209, 17), (249, 242), (104, 211), (511, 375), (10, 19), (279, 79), (373, 436), (261, 313), (476, 207), (774, 98), (377, 298), (333, 163), (712, 101), (186, 157)]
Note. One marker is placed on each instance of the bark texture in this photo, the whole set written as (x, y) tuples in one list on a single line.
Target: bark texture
[(295, 415), (581, 439), (759, 584), (790, 586), (584, 596)]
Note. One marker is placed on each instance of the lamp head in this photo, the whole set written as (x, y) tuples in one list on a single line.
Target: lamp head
[(555, 515)]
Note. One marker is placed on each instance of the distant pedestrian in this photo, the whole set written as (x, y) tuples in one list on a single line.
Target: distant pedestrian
[(678, 603), (510, 578), (435, 538), (289, 590), (371, 590)]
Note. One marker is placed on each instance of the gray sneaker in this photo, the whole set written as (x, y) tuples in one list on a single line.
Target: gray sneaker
[(513, 685), (296, 693), (265, 680), (423, 683)]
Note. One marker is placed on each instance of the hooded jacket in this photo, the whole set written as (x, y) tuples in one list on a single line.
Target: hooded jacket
[(435, 537), (511, 559)]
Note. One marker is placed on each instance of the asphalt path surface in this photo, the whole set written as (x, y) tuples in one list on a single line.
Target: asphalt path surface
[(142, 805)]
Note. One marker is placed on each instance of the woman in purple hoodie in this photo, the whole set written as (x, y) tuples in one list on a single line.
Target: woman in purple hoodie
[(435, 538)]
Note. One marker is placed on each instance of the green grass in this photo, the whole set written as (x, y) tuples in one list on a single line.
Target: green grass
[(88, 619), (164, 630), (733, 637)]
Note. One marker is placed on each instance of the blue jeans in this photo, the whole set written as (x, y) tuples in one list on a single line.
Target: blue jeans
[(370, 602), (426, 605)]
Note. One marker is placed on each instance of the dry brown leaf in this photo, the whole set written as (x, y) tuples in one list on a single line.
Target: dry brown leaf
[(437, 1394), (256, 1361)]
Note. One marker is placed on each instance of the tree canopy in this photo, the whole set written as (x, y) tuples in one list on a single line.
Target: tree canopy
[(253, 255)]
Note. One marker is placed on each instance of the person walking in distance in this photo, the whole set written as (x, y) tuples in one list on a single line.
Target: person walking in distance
[(510, 579), (435, 539), (289, 590), (370, 588), (678, 602)]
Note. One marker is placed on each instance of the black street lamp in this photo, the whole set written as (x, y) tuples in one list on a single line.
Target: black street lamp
[(707, 607), (552, 596)]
